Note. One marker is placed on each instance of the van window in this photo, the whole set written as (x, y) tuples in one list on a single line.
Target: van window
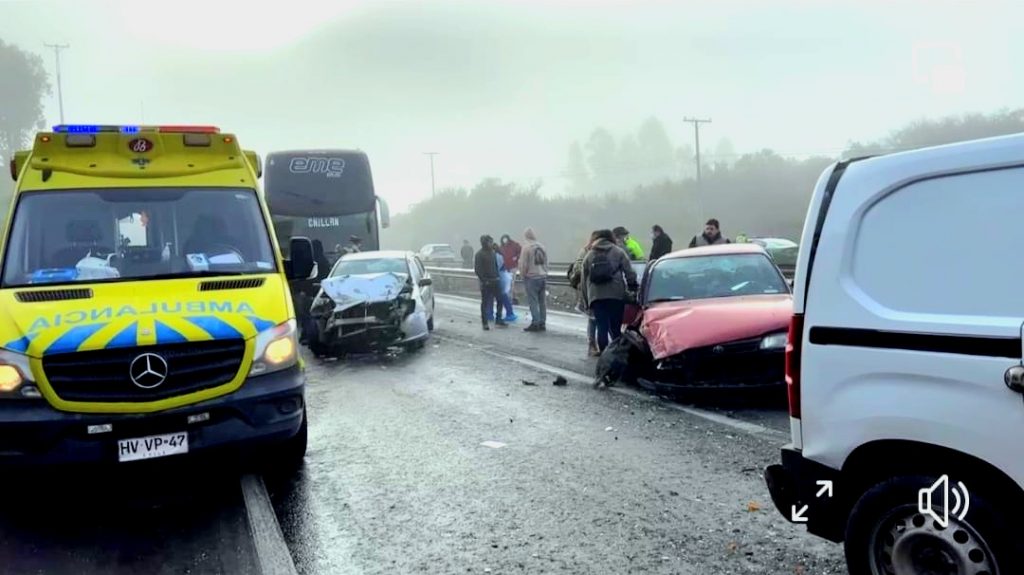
[(131, 234), (950, 245)]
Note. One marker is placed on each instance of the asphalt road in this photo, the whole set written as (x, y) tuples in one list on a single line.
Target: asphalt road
[(444, 461)]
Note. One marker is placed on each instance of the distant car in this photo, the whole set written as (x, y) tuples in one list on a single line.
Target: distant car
[(372, 301), (715, 316), (440, 255), (781, 250)]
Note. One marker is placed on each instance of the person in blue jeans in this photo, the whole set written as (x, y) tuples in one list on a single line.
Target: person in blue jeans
[(533, 266), (607, 275), (504, 302)]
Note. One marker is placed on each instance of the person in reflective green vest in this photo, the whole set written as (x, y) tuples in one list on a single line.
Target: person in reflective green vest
[(632, 247)]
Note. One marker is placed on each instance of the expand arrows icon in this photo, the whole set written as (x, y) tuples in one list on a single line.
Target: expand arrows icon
[(826, 487), (797, 516)]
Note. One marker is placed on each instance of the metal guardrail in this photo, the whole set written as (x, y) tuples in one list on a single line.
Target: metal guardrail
[(556, 273)]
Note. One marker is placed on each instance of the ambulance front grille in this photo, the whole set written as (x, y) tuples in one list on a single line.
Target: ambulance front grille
[(106, 375)]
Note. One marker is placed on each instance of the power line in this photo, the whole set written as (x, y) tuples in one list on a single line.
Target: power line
[(60, 94), (433, 192), (696, 137)]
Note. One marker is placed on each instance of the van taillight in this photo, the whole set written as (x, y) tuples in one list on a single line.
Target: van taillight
[(794, 346)]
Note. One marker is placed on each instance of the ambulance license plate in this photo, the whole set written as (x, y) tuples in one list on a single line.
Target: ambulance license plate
[(152, 446)]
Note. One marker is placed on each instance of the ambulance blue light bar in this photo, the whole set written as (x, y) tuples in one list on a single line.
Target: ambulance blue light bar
[(94, 129)]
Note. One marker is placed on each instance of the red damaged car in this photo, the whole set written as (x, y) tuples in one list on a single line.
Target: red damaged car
[(714, 317)]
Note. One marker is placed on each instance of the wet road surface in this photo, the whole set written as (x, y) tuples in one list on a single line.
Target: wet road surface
[(161, 519), (444, 461)]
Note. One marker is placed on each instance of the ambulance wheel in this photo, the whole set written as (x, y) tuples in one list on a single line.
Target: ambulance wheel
[(888, 535), (290, 455)]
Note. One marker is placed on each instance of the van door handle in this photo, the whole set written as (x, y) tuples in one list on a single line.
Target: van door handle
[(1014, 378)]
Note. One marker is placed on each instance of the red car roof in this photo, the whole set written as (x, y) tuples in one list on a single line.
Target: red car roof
[(721, 249)]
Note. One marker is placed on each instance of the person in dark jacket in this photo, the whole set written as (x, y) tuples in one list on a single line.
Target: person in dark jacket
[(485, 264), (712, 235), (467, 254), (662, 243), (607, 275)]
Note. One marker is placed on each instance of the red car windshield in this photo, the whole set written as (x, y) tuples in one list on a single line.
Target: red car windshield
[(714, 277)]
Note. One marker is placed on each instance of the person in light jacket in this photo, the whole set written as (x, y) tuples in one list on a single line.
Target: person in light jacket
[(533, 266)]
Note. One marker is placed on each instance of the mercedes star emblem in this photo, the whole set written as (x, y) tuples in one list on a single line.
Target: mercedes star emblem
[(718, 349), (148, 370)]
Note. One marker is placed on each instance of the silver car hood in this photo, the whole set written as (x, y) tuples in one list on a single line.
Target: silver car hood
[(350, 290)]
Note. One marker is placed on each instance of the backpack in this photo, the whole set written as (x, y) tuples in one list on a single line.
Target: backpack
[(540, 257), (601, 269)]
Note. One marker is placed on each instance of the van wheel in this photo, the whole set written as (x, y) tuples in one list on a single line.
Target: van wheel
[(887, 535), (290, 455), (430, 324)]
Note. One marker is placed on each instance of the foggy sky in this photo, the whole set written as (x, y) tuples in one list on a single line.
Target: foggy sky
[(501, 88)]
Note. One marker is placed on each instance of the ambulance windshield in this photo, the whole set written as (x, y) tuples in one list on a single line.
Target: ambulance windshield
[(132, 234)]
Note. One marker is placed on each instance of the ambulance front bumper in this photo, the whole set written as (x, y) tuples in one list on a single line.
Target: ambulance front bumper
[(265, 410)]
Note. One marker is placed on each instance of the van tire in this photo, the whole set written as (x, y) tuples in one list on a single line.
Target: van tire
[(430, 323), (895, 501)]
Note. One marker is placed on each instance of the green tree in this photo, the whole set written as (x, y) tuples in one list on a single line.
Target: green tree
[(23, 86)]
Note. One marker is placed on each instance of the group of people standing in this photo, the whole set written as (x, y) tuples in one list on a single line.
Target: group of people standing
[(602, 275), (495, 266), (605, 281)]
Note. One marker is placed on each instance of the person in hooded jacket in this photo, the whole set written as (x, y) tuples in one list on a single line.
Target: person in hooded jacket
[(533, 266), (607, 275), (662, 243)]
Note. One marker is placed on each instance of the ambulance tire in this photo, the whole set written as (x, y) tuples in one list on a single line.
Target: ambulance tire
[(290, 455)]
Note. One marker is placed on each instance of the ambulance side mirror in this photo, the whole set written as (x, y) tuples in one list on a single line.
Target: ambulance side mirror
[(301, 261)]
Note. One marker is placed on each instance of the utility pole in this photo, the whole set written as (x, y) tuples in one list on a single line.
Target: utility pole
[(696, 138), (60, 95), (431, 154)]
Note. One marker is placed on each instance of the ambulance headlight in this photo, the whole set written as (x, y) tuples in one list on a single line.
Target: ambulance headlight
[(15, 374), (277, 348)]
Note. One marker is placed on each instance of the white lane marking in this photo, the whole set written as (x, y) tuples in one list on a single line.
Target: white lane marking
[(493, 444), (744, 426), (268, 540)]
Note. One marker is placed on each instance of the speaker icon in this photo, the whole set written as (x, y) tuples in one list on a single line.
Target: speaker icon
[(928, 499)]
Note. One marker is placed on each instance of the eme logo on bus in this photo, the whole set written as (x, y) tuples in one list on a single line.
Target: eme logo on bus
[(330, 167)]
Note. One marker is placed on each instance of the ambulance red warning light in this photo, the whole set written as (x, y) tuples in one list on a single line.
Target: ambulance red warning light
[(188, 129)]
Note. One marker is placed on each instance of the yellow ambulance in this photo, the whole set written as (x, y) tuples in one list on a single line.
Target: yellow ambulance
[(144, 307)]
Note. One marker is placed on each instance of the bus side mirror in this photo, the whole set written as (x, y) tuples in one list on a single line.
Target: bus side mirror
[(301, 252), (385, 213)]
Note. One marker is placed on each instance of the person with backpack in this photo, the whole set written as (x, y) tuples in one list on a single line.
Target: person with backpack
[(575, 275), (607, 275), (533, 266)]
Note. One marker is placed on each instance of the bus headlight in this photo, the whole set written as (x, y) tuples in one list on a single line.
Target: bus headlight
[(14, 372), (277, 348)]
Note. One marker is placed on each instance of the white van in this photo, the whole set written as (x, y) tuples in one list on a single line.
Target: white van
[(904, 363)]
